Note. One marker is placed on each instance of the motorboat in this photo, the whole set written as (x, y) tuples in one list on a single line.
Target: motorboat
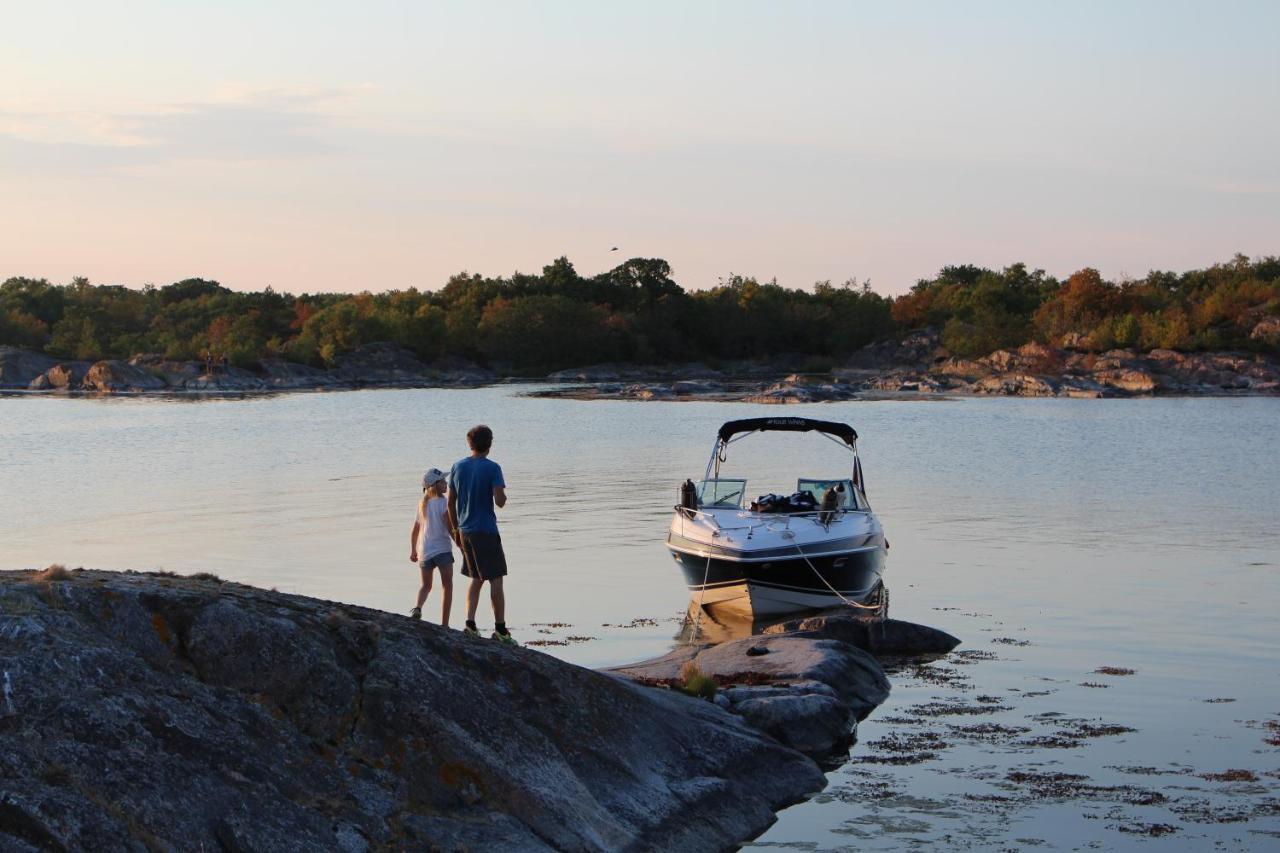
[(818, 547)]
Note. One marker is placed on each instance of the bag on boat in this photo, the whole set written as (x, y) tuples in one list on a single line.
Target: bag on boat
[(798, 502)]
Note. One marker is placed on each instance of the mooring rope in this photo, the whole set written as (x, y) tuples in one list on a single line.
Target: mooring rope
[(697, 619), (837, 593)]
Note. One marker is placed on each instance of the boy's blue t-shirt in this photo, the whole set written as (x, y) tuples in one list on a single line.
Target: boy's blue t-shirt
[(473, 480)]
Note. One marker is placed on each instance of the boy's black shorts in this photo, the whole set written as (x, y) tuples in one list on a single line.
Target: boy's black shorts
[(482, 556)]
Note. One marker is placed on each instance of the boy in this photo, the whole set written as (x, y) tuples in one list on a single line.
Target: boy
[(475, 486), (432, 540)]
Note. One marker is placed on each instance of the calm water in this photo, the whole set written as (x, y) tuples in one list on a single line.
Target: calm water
[(1054, 537)]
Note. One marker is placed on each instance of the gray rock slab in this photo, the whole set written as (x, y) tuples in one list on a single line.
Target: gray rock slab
[(840, 669), (664, 668), (143, 712), (885, 637), (810, 722), (852, 673), (19, 367), (114, 376)]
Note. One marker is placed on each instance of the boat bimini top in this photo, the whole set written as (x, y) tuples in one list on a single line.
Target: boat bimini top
[(750, 425), (732, 431)]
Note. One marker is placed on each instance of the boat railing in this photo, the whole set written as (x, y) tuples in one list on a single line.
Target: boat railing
[(767, 518)]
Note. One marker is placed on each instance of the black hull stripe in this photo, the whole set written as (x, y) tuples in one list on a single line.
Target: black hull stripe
[(855, 575)]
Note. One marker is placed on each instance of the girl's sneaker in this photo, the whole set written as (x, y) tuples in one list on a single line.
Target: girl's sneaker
[(415, 613), (505, 638), (471, 632)]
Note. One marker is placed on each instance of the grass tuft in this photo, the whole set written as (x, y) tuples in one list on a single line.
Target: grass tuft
[(206, 576), (55, 572), (695, 682)]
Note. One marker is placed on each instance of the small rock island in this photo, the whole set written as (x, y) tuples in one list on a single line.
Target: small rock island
[(151, 711)]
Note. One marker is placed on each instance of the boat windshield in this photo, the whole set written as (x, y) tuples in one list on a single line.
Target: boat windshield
[(818, 488), (721, 493)]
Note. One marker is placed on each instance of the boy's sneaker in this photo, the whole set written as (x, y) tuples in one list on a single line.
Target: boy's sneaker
[(471, 632), (505, 638), (415, 613)]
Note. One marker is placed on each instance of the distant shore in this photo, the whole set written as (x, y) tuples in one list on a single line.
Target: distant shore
[(917, 367)]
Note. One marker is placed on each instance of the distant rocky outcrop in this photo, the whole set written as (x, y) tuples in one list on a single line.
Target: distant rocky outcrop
[(64, 376), (920, 366), (19, 367), (227, 380), (456, 370), (121, 376), (142, 712), (378, 365), (175, 373), (917, 366), (1267, 331), (289, 376), (1016, 385), (381, 363)]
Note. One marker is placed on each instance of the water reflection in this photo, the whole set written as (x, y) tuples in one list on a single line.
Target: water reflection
[(705, 623)]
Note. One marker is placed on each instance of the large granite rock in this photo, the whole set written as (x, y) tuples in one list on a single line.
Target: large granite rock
[(1133, 380), (853, 674), (289, 376), (67, 375), (19, 367), (1267, 331), (457, 370), (119, 376), (640, 391), (780, 394), (231, 380), (174, 372), (149, 713), (802, 715), (807, 693), (880, 637), (382, 364), (921, 348), (1016, 385)]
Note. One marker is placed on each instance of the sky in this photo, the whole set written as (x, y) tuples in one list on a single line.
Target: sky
[(316, 146)]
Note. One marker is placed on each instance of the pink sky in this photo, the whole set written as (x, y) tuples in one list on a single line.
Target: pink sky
[(336, 150)]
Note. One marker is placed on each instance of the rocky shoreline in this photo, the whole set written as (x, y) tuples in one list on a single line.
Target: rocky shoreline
[(372, 366), (918, 366), (151, 711)]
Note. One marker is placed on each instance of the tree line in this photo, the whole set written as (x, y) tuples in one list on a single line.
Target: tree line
[(636, 312)]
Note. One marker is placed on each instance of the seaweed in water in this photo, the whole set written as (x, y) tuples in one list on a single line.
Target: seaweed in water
[(1114, 670)]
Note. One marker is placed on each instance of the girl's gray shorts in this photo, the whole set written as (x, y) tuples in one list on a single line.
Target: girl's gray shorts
[(443, 561)]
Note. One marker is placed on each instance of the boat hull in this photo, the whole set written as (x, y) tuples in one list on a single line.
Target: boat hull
[(783, 584)]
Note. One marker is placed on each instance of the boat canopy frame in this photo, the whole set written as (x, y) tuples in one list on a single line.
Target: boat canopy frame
[(837, 432), (749, 425)]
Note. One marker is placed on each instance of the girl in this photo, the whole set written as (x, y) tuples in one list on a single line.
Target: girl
[(432, 542)]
